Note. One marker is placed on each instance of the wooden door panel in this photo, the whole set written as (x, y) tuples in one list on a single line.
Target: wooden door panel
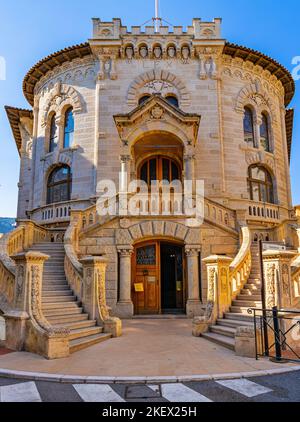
[(146, 274)]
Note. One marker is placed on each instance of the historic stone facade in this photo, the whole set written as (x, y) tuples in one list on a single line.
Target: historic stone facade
[(211, 110)]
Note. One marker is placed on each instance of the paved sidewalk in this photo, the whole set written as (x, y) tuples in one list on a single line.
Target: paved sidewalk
[(147, 348)]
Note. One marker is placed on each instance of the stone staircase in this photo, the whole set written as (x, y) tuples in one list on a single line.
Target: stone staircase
[(223, 333), (59, 305)]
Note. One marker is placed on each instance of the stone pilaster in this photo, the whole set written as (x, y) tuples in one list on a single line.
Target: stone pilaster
[(125, 305), (193, 307), (277, 277)]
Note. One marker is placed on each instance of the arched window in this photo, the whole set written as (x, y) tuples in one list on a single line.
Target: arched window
[(264, 133), (69, 128), (248, 126), (260, 185), (59, 185), (159, 168), (143, 99), (53, 139), (173, 100)]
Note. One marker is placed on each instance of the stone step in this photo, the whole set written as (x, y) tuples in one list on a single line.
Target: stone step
[(250, 292), (80, 344), (85, 332), (62, 320), (255, 298), (57, 293), (222, 330), (249, 303), (60, 305), (233, 323), (73, 325), (253, 287), (62, 312), (238, 317), (254, 281), (224, 341), (53, 278), (52, 287), (59, 299), (241, 309)]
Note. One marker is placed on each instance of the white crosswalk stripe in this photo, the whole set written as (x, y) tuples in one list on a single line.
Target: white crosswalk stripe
[(20, 393), (93, 393), (245, 387), (180, 393)]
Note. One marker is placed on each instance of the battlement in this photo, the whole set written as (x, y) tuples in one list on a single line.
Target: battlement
[(114, 30)]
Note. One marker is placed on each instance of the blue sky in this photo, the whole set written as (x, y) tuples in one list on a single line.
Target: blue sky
[(30, 30)]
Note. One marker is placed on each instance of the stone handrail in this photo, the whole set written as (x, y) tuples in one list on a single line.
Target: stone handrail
[(73, 268), (240, 267)]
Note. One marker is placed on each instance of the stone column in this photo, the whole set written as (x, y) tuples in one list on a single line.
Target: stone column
[(277, 277), (27, 297), (125, 305), (218, 284), (257, 124), (193, 306), (94, 294)]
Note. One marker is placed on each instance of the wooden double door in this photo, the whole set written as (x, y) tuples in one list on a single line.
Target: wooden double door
[(158, 279)]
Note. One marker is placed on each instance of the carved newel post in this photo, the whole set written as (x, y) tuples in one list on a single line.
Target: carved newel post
[(94, 294), (277, 276), (218, 293), (27, 328)]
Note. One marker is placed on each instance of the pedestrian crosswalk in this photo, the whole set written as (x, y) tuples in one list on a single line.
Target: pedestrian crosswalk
[(243, 389)]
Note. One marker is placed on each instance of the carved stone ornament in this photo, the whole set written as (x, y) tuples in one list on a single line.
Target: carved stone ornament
[(211, 285), (185, 53), (271, 272), (144, 52), (129, 53), (157, 52), (285, 280), (171, 52), (157, 112)]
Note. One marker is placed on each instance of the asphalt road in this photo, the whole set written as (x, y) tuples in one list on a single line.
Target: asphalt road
[(276, 388)]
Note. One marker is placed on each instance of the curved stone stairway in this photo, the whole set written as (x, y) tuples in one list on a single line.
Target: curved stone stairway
[(223, 333), (59, 305)]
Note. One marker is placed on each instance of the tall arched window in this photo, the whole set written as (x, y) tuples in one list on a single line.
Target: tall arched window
[(53, 139), (159, 168), (59, 185), (260, 184), (172, 100), (69, 128), (264, 133), (143, 99), (249, 126)]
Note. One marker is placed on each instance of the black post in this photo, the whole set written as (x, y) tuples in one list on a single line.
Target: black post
[(277, 334), (263, 298)]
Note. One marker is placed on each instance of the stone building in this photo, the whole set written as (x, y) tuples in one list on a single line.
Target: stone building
[(147, 105)]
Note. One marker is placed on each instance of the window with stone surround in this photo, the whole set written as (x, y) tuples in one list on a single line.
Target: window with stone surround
[(260, 184), (68, 128), (59, 185), (249, 127), (265, 133), (53, 138), (172, 100)]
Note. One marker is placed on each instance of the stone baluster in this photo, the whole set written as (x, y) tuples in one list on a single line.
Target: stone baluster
[(125, 305)]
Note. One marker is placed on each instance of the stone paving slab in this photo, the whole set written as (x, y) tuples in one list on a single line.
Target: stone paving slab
[(150, 351)]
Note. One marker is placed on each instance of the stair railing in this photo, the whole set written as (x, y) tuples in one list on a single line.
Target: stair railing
[(87, 276), (240, 268)]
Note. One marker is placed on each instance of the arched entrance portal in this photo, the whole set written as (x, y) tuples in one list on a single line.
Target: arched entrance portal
[(158, 279)]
